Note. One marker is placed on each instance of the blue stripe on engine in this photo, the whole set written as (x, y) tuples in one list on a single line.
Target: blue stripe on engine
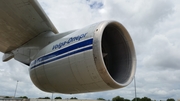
[(67, 49), (50, 57)]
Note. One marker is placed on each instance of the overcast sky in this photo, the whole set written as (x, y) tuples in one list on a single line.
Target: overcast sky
[(154, 26)]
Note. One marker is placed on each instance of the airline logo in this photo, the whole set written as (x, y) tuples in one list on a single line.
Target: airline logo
[(70, 40)]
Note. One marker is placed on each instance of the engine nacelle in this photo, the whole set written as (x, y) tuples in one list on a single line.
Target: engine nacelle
[(96, 58)]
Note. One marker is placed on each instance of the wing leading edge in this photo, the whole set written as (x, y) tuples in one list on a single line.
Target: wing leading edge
[(21, 21)]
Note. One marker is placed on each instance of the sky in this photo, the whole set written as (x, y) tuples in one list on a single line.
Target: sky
[(154, 26)]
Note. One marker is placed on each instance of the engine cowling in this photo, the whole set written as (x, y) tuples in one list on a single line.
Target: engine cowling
[(96, 58)]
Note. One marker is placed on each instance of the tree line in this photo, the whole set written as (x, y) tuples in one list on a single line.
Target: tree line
[(117, 98)]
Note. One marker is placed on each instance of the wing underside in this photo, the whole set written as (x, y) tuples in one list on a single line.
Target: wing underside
[(21, 21)]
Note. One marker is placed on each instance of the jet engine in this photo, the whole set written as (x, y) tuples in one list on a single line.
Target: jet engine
[(98, 57)]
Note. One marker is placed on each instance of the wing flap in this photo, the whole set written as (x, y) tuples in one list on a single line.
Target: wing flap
[(21, 21)]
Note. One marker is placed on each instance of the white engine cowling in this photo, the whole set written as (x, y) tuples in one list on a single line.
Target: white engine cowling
[(96, 58)]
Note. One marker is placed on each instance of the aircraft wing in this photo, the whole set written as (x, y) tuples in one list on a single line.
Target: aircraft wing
[(21, 21)]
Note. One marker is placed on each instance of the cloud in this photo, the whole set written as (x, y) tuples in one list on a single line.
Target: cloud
[(94, 4), (154, 27), (164, 54), (149, 13), (71, 13)]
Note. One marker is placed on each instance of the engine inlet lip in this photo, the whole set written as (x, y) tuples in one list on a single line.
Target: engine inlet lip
[(100, 64)]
